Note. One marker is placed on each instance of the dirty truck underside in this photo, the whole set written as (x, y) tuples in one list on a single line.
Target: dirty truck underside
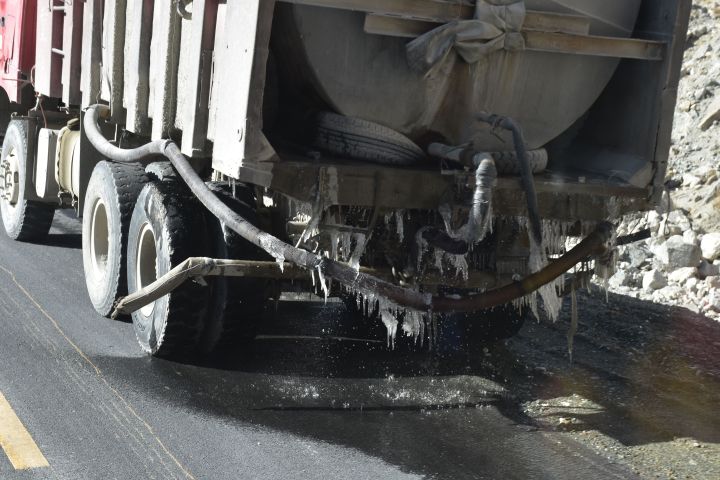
[(418, 159)]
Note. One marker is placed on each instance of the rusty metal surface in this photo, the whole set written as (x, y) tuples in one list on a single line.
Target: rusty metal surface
[(562, 197)]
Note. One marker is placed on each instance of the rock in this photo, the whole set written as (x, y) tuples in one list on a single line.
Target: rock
[(620, 279), (690, 237), (691, 284), (669, 293), (675, 253), (714, 300), (711, 115), (654, 244), (690, 181), (712, 283), (710, 246), (681, 275), (679, 219), (654, 280), (707, 269), (653, 221), (637, 254)]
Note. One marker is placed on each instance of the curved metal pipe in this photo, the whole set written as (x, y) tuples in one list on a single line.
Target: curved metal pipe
[(526, 174), (475, 228), (595, 244)]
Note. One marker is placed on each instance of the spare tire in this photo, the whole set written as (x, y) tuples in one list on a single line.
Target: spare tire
[(507, 162), (362, 140)]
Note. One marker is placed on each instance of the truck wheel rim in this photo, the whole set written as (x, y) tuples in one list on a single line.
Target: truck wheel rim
[(146, 266), (10, 179), (100, 239)]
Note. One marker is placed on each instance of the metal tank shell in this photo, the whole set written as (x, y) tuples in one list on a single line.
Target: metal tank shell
[(367, 75)]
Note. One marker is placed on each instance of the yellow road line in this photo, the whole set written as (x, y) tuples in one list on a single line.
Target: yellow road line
[(19, 446)]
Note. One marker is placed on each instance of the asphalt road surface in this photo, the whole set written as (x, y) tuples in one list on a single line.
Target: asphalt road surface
[(82, 402)]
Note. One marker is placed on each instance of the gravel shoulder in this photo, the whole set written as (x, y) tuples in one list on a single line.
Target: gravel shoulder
[(643, 388)]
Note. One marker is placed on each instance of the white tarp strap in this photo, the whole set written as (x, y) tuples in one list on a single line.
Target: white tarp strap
[(496, 26)]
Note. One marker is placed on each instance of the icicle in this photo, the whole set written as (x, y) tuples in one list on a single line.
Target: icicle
[(613, 208), (534, 305), (323, 284), (388, 218), (280, 260), (334, 244), (446, 214), (391, 324), (439, 254), (548, 292), (345, 240), (357, 253), (312, 227), (422, 247), (460, 264), (432, 334), (400, 224), (573, 322), (413, 325), (312, 276)]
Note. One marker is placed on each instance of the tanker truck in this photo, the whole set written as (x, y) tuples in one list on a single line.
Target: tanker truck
[(423, 160)]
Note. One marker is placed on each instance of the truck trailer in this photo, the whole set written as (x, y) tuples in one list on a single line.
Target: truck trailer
[(421, 159)]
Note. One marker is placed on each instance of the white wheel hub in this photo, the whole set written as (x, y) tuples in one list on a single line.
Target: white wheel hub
[(99, 239), (146, 265), (10, 179)]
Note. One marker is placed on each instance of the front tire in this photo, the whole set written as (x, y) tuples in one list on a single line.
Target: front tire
[(24, 220), (109, 203), (167, 227)]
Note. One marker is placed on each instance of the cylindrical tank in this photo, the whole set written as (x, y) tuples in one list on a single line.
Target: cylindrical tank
[(367, 76)]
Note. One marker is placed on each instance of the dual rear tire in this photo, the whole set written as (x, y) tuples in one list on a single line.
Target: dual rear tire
[(137, 227)]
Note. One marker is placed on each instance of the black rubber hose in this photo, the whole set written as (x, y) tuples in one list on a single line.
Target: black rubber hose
[(107, 149), (526, 174)]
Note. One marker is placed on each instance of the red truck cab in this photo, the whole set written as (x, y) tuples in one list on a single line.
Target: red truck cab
[(17, 46)]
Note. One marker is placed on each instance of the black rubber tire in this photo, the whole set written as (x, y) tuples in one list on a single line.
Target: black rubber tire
[(26, 220), (362, 140), (507, 163), (174, 326), (161, 171), (113, 190), (237, 303)]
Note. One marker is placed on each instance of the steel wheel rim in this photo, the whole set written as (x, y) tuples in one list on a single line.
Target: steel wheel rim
[(146, 265), (99, 238), (10, 180)]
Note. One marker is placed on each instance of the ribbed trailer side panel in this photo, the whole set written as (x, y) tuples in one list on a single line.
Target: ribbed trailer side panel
[(48, 58), (163, 74), (138, 34), (164, 58), (113, 54), (193, 113), (90, 72)]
